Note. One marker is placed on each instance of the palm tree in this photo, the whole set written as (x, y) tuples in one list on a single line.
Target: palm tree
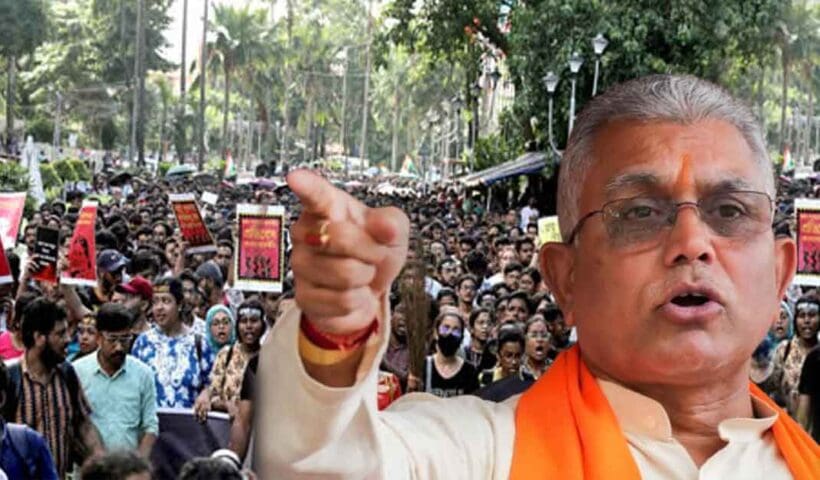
[(165, 96), (241, 34)]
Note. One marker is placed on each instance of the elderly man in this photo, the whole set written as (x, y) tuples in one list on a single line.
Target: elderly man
[(669, 270)]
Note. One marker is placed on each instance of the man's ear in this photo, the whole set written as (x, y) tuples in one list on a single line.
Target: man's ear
[(40, 339), (786, 266), (557, 263)]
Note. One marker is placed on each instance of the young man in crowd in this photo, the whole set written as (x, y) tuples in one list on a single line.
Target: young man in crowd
[(120, 388), (50, 398)]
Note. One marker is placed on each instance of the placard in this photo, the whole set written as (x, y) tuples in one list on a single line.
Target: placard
[(548, 230), (259, 264), (46, 249), (82, 252), (807, 213), (11, 212), (191, 224), (210, 198)]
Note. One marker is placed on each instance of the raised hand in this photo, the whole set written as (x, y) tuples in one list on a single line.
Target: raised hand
[(341, 276)]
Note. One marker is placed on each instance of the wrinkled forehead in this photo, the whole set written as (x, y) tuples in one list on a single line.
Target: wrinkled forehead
[(667, 158)]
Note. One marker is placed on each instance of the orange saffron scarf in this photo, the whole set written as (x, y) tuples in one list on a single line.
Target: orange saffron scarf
[(566, 429)]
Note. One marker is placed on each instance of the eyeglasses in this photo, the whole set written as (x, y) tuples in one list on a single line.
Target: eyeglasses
[(121, 339), (445, 330), (538, 335), (639, 220), (221, 321)]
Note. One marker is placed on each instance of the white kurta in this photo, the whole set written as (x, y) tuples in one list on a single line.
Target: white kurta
[(307, 430)]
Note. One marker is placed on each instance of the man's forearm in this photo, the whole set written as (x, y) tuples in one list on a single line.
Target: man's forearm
[(241, 430), (147, 444), (91, 438)]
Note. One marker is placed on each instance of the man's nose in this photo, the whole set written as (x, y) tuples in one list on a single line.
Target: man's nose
[(689, 238)]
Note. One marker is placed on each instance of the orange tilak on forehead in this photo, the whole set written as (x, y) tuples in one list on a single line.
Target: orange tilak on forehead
[(685, 181)]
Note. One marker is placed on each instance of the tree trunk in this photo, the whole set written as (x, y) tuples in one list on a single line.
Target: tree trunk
[(182, 86), (11, 62), (784, 98), (162, 130), (394, 147), (225, 105)]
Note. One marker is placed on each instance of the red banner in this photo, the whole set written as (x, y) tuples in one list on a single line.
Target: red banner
[(82, 268), (5, 269), (260, 263), (46, 249), (11, 212), (191, 224), (808, 241)]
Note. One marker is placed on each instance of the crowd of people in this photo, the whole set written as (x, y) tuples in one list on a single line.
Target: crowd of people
[(87, 368)]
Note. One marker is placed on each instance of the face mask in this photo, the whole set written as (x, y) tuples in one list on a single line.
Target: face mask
[(448, 344)]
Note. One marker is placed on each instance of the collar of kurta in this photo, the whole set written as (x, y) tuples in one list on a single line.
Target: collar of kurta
[(567, 429)]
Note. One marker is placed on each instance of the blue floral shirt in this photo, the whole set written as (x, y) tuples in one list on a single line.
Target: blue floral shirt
[(181, 372)]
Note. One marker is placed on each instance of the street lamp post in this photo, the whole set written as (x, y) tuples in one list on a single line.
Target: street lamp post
[(457, 105), (575, 62), (599, 44), (551, 82)]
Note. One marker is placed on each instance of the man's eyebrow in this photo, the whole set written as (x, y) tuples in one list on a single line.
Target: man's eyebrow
[(631, 180), (731, 184)]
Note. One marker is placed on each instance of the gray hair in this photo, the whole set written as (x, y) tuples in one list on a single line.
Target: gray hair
[(677, 98)]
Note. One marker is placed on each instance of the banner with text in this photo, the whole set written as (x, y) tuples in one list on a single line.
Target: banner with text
[(46, 249), (82, 268), (191, 224), (807, 212), (260, 262), (11, 212)]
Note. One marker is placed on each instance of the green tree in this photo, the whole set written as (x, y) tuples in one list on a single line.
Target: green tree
[(23, 27), (240, 37)]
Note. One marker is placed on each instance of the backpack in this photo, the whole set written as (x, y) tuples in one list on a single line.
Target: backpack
[(19, 435)]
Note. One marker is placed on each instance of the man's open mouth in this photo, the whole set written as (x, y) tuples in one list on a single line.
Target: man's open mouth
[(690, 300)]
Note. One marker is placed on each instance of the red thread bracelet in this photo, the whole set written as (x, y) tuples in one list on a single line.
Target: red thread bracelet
[(329, 341)]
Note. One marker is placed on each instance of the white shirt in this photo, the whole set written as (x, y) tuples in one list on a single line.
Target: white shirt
[(526, 216), (317, 432)]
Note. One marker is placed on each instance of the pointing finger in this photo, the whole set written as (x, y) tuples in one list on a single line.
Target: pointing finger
[(320, 198)]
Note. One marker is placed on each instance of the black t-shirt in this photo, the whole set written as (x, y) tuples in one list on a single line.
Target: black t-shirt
[(505, 388), (810, 385), (248, 379), (462, 383), (481, 361)]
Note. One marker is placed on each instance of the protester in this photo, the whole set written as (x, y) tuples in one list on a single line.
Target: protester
[(447, 374), (396, 357), (536, 360), (11, 341), (229, 368), (86, 337), (762, 363), (50, 398), (136, 295), (510, 351), (120, 388), (653, 270), (180, 358), (790, 353), (478, 353), (220, 328)]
